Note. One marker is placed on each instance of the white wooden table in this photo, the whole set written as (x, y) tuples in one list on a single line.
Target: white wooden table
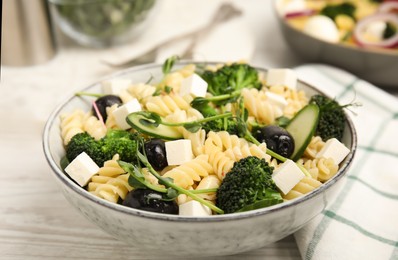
[(36, 221)]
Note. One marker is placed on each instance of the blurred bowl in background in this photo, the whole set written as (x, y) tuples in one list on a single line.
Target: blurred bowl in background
[(376, 66), (102, 23)]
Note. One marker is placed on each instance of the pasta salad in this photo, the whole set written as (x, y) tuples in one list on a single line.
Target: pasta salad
[(361, 23), (203, 140)]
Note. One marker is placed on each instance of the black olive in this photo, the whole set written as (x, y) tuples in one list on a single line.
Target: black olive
[(104, 102), (150, 200), (155, 150), (277, 139)]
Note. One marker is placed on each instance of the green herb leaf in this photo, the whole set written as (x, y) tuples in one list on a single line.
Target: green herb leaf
[(171, 194), (157, 92), (151, 119), (282, 121), (169, 63), (192, 127), (199, 102), (168, 89), (133, 182)]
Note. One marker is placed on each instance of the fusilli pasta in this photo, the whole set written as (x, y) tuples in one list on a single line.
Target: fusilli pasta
[(305, 186), (111, 183), (71, 124), (186, 174)]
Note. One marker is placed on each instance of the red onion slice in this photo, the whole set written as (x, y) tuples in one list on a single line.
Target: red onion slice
[(361, 26), (388, 7), (307, 12)]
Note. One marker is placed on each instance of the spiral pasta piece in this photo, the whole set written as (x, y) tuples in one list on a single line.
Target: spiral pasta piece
[(71, 124), (94, 127), (167, 104), (237, 148), (208, 182), (111, 183), (175, 78), (110, 122), (220, 162), (256, 103), (296, 100), (314, 147), (140, 91), (322, 168), (186, 174), (197, 138), (305, 186)]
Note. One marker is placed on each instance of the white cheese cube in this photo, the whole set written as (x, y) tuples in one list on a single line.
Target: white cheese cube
[(335, 150), (81, 169), (282, 77), (287, 176), (323, 28), (194, 208), (179, 151), (194, 85), (123, 111), (276, 100), (115, 86)]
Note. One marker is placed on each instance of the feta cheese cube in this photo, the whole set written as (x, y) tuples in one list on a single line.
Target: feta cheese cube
[(194, 85), (334, 149), (287, 176), (123, 111), (194, 208), (276, 100), (179, 151), (282, 77), (81, 169), (115, 86)]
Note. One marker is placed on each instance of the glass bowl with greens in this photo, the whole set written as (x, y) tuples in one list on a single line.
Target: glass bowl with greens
[(102, 23)]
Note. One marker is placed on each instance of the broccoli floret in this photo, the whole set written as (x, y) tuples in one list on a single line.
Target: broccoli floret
[(83, 142), (333, 10), (231, 79), (115, 142), (222, 124), (248, 185), (119, 142), (331, 118)]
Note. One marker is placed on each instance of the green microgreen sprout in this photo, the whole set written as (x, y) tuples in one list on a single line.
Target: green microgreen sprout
[(89, 94), (154, 120), (171, 189)]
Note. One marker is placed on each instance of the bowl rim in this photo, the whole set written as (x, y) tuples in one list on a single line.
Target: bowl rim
[(385, 52), (63, 178)]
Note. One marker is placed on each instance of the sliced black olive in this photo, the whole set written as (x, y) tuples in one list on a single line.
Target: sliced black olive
[(106, 101), (150, 200), (277, 139), (155, 150)]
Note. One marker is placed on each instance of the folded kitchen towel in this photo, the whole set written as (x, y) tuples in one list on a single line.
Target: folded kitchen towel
[(362, 223), (179, 18)]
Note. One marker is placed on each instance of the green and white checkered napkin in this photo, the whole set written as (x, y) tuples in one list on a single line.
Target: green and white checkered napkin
[(362, 223)]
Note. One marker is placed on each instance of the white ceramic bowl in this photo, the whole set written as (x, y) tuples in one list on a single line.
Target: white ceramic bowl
[(189, 236)]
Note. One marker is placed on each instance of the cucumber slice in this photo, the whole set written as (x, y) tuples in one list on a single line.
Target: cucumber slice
[(302, 128), (160, 131)]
